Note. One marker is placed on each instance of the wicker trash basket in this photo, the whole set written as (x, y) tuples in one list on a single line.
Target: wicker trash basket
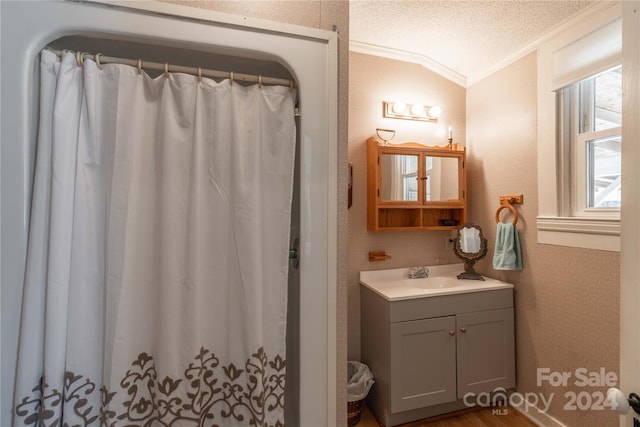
[(360, 380), (355, 411)]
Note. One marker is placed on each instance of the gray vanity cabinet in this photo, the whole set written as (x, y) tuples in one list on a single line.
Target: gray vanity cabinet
[(427, 353)]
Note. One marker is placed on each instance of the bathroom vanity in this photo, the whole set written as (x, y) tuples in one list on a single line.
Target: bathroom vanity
[(431, 341)]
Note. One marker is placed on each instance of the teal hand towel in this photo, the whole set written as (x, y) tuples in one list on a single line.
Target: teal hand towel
[(507, 255)]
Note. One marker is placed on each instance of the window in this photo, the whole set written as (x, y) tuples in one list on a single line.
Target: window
[(593, 129), (579, 131)]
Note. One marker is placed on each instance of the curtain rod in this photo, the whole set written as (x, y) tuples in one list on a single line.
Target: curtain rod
[(101, 59)]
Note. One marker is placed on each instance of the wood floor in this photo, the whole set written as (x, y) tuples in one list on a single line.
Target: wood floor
[(485, 417)]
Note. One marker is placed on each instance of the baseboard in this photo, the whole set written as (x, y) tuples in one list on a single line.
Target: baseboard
[(540, 418)]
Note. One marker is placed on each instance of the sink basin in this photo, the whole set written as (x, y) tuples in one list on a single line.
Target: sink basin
[(395, 284)]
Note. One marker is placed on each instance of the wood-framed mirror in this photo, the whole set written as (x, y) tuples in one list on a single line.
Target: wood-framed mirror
[(443, 175), (399, 177), (422, 176), (470, 245), (412, 186)]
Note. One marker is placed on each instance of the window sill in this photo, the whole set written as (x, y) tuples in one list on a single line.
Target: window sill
[(589, 233)]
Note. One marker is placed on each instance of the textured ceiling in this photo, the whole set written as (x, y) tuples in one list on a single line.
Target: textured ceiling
[(466, 37)]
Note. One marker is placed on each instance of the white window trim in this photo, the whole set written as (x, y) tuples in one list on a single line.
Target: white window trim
[(603, 234), (554, 227)]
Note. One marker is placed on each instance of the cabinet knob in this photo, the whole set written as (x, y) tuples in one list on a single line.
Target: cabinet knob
[(463, 330), (452, 333)]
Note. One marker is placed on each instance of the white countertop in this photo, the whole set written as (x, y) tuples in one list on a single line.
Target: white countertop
[(395, 284)]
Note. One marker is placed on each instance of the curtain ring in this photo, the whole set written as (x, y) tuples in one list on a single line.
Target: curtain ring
[(259, 80), (80, 58), (231, 77), (97, 59), (290, 84), (166, 69), (139, 66), (199, 74)]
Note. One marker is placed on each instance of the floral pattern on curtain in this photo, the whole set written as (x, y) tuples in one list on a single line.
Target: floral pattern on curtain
[(213, 392)]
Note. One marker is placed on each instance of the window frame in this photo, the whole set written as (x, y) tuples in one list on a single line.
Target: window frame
[(579, 159), (556, 223), (413, 176)]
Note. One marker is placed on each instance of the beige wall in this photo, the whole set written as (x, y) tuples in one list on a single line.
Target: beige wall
[(324, 15), (373, 80), (566, 299)]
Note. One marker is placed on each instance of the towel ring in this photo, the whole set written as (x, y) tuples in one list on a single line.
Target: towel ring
[(513, 210)]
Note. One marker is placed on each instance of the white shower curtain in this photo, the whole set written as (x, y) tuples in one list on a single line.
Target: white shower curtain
[(155, 290)]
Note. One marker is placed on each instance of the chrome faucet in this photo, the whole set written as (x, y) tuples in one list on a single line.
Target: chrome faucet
[(418, 272)]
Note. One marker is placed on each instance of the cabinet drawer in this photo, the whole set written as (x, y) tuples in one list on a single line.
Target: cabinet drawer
[(422, 308)]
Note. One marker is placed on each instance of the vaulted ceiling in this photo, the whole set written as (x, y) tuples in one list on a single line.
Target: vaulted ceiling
[(463, 40)]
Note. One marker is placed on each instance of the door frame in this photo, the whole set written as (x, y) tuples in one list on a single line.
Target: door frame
[(630, 212), (311, 56)]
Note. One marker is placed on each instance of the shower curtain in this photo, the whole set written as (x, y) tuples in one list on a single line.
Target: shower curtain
[(155, 290)]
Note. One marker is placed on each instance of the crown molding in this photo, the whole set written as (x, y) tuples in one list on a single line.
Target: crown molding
[(406, 56)]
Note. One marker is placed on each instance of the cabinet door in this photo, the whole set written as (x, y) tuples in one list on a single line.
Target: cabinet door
[(443, 181), (399, 178), (423, 367), (486, 353)]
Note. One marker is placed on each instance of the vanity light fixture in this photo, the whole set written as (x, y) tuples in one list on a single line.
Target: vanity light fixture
[(401, 110)]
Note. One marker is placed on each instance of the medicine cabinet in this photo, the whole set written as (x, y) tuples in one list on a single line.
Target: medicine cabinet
[(411, 186)]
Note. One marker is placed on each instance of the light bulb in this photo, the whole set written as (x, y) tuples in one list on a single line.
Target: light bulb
[(417, 110), (434, 112), (398, 107)]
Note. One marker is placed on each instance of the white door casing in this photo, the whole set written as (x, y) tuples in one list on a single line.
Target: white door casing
[(310, 55)]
